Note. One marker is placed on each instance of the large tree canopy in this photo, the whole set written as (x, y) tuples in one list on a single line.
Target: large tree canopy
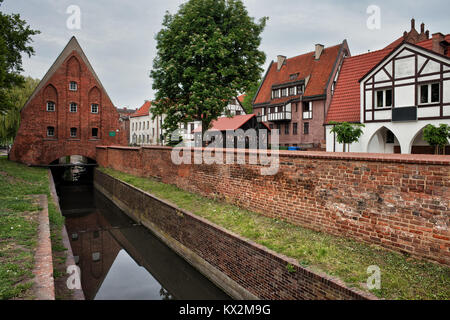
[(18, 96), (15, 36), (207, 53)]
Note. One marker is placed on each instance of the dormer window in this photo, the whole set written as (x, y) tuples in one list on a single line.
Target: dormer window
[(300, 89), (275, 93), (293, 76), (73, 86), (292, 91), (284, 92), (50, 106)]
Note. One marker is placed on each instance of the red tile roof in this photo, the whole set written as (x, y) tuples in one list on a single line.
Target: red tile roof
[(345, 104), (142, 111), (226, 123), (241, 98), (428, 44), (305, 65)]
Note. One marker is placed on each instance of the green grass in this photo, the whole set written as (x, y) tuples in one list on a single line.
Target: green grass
[(402, 277), (18, 226)]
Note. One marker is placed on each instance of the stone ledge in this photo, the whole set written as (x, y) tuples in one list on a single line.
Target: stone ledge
[(43, 270)]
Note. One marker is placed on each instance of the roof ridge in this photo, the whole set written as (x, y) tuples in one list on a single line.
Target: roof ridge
[(310, 52)]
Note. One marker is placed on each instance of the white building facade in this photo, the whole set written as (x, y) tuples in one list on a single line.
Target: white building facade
[(143, 129), (407, 90)]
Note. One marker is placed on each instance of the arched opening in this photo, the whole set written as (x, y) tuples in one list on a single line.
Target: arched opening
[(384, 141), (418, 144)]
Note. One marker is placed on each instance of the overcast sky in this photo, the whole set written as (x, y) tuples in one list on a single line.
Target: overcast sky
[(118, 35)]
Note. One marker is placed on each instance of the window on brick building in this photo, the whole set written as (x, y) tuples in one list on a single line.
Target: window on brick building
[(307, 110), (306, 128), (95, 132), (94, 108), (271, 126), (279, 128), (286, 129), (294, 128), (73, 132), (73, 107), (73, 86), (50, 106), (50, 131)]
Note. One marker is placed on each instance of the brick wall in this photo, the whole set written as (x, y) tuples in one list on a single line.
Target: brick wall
[(401, 202), (258, 270)]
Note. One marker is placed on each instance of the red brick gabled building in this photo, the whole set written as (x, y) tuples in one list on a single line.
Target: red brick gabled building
[(69, 113), (295, 95)]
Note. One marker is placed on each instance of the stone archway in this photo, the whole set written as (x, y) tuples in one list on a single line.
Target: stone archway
[(384, 141)]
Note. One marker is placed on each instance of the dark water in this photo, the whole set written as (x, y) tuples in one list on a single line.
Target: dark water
[(118, 258)]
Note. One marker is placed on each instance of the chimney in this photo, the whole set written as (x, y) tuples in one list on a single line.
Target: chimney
[(319, 50), (438, 47), (413, 24), (281, 60)]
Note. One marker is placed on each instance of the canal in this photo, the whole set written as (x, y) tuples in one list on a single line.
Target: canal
[(118, 258)]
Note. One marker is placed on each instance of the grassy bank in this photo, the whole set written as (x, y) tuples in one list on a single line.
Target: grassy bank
[(18, 226), (402, 277)]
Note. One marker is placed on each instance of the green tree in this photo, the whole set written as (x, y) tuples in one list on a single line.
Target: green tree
[(249, 96), (17, 96), (437, 136), (206, 54), (15, 36), (347, 133)]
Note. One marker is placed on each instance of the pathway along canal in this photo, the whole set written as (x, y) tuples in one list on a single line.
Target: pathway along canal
[(118, 258)]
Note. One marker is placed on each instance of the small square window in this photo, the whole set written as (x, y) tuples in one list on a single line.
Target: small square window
[(73, 132), (73, 107), (94, 108), (50, 106), (50, 131), (73, 86)]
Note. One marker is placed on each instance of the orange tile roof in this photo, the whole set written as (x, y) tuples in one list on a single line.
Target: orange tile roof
[(227, 123), (305, 65), (345, 104), (142, 111), (241, 98)]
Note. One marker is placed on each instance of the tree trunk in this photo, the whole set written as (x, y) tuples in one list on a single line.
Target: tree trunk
[(204, 129)]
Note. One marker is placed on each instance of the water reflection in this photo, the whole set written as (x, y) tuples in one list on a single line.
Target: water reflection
[(121, 260)]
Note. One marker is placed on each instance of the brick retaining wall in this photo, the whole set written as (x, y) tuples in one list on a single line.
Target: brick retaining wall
[(401, 202), (248, 269)]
